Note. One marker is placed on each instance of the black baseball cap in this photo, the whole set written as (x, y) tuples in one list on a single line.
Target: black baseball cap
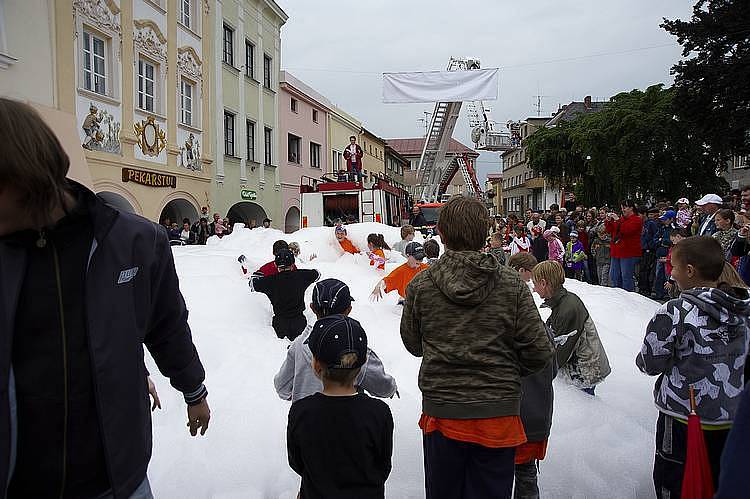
[(331, 297), (267, 220), (284, 258), (333, 337), (415, 249)]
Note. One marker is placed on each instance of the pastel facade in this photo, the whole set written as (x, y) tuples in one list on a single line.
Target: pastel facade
[(134, 74), (247, 51), (303, 118)]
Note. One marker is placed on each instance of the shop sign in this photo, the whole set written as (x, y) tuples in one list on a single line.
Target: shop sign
[(149, 179), (248, 195)]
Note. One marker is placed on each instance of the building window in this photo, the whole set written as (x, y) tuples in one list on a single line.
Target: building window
[(146, 93), (314, 155), (315, 115), (294, 105), (94, 63), (294, 148), (267, 143), (228, 45), (228, 133), (185, 12), (267, 71), (249, 59), (250, 137), (186, 100)]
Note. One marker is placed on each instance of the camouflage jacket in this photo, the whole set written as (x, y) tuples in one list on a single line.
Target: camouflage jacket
[(699, 339), (478, 331)]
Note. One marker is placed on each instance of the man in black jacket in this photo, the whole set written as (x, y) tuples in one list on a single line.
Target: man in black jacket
[(82, 288)]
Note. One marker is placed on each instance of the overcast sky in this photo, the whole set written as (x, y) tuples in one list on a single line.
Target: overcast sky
[(562, 50)]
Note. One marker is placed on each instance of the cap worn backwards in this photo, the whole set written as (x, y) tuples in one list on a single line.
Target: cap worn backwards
[(335, 336), (284, 258), (331, 296), (415, 249)]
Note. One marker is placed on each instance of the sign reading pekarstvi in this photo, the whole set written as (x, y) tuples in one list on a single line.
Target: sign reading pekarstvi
[(149, 179), (248, 194)]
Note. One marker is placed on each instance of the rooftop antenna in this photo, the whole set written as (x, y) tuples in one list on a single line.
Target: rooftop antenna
[(425, 121)]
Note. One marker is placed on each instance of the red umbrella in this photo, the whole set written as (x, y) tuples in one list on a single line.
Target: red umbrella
[(697, 482)]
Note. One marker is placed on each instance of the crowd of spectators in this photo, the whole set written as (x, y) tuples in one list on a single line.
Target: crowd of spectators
[(199, 231), (628, 247)]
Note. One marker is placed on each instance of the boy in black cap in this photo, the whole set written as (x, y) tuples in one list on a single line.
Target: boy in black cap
[(339, 441), (296, 379), (286, 290)]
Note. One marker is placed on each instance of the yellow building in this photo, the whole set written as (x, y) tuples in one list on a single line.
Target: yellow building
[(373, 161), (135, 76), (341, 126)]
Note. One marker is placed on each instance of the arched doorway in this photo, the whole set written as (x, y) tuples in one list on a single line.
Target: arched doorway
[(177, 210), (291, 221), (117, 201), (247, 213)]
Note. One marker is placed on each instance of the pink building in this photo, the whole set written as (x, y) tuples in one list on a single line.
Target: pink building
[(303, 141)]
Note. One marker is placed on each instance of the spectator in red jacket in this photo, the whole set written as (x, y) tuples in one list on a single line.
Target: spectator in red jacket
[(626, 245)]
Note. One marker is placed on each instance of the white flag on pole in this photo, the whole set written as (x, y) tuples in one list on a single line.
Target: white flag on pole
[(440, 86)]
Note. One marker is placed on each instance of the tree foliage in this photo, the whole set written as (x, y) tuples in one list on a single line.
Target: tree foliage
[(634, 147), (713, 83)]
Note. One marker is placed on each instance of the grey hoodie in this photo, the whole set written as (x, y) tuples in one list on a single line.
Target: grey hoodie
[(296, 379), (699, 339), (475, 325)]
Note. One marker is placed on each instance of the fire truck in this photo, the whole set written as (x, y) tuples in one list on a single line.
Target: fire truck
[(328, 201)]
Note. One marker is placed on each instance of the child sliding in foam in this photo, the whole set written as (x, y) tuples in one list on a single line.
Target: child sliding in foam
[(376, 244)]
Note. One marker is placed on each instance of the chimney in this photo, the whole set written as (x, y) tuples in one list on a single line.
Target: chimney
[(587, 102)]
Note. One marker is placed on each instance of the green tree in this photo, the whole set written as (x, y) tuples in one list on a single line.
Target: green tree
[(713, 83), (634, 147)]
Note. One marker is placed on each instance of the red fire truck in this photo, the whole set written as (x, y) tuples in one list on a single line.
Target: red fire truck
[(327, 201)]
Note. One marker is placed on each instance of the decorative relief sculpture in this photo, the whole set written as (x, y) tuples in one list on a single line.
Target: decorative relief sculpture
[(101, 14), (102, 131), (148, 38), (151, 138), (189, 64), (190, 154)]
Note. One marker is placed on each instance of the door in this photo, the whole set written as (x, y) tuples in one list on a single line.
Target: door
[(367, 205), (312, 209)]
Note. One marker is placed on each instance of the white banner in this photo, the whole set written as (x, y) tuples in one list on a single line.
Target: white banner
[(440, 86)]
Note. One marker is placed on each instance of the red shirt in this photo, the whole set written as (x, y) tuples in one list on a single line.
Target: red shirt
[(270, 269), (626, 236)]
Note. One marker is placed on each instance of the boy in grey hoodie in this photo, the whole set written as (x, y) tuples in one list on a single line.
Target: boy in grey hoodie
[(699, 339), (296, 379)]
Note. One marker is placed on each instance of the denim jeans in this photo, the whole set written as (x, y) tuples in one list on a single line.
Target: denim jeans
[(526, 486), (622, 273), (661, 278)]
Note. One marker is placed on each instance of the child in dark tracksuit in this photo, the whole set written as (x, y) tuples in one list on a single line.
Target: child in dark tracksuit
[(286, 290), (701, 340)]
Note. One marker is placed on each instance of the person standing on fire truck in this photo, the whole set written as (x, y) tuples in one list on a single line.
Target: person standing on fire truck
[(353, 155)]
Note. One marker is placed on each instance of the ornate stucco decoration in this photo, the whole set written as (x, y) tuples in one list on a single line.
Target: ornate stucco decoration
[(101, 14), (151, 138), (101, 130), (149, 39), (189, 64), (190, 154)]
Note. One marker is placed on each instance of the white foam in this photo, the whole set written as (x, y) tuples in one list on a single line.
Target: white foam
[(600, 447)]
